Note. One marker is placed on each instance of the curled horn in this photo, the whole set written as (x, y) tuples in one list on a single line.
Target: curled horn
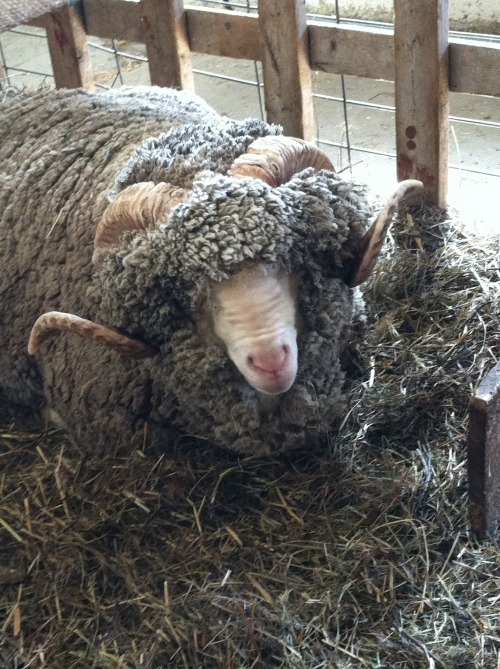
[(275, 159), (138, 207), (55, 321), (370, 245)]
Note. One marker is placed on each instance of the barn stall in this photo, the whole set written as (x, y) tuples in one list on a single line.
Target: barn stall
[(365, 552)]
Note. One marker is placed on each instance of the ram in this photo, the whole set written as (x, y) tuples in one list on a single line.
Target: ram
[(177, 271)]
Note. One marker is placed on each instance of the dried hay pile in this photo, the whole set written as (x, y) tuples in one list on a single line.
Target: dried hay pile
[(355, 556)]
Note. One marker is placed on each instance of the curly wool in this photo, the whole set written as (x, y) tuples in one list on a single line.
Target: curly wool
[(154, 286), (310, 226)]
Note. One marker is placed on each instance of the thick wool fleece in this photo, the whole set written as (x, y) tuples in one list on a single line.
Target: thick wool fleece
[(154, 284)]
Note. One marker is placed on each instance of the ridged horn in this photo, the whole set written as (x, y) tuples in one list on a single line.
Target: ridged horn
[(138, 207), (53, 322), (370, 245), (275, 159)]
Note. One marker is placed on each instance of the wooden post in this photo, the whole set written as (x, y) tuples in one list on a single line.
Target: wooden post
[(167, 44), (421, 79), (285, 65), (68, 48), (483, 455)]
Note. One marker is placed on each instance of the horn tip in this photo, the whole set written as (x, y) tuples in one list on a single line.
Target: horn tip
[(32, 345)]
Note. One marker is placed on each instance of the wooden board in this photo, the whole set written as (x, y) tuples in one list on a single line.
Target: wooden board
[(219, 33), (483, 455), (68, 48), (475, 68), (114, 19), (359, 52), (285, 66), (421, 93), (167, 46)]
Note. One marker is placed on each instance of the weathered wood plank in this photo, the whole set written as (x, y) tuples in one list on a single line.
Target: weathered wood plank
[(359, 52), (285, 66), (483, 455), (219, 33), (167, 45), (421, 92), (68, 48), (114, 19), (475, 68)]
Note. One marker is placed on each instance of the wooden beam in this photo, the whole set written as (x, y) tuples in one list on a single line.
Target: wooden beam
[(285, 66), (220, 33), (68, 48), (359, 52), (475, 67), (483, 455), (421, 91), (114, 19), (167, 45)]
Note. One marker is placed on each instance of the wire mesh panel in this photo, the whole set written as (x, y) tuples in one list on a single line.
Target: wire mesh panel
[(25, 58)]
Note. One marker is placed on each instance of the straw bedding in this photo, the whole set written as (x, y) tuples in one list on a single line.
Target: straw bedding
[(355, 555)]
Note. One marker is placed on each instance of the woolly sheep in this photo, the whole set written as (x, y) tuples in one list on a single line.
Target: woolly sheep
[(222, 247)]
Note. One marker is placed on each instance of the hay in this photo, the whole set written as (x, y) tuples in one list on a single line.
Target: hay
[(353, 556)]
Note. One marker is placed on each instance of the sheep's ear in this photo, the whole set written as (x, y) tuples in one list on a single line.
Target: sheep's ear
[(369, 247), (54, 321), (138, 207)]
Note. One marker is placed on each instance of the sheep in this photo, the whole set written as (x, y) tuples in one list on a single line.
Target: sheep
[(208, 266)]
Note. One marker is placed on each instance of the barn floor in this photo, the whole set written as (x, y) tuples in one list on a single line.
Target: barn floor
[(472, 146)]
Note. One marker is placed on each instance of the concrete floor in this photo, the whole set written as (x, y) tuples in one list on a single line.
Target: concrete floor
[(472, 146)]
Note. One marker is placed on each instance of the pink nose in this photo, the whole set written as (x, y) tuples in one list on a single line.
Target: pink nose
[(269, 361)]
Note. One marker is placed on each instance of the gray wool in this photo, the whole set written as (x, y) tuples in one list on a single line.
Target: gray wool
[(63, 155)]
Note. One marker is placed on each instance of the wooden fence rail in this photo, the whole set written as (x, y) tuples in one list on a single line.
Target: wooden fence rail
[(333, 48), (289, 48)]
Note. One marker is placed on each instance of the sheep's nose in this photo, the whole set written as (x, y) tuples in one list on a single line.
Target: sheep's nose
[(269, 361)]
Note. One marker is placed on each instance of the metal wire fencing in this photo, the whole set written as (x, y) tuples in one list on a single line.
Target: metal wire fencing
[(354, 116)]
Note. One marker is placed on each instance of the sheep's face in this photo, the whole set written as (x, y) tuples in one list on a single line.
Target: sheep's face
[(254, 313)]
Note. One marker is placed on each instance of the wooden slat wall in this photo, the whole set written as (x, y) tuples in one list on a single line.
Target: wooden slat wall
[(474, 67), (167, 44), (421, 91), (424, 69), (68, 48)]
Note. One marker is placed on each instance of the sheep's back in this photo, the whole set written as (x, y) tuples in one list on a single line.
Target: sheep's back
[(61, 152)]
